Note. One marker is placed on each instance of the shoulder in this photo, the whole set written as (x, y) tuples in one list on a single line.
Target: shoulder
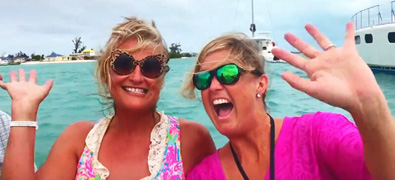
[(73, 137), (210, 167), (327, 131), (194, 136), (210, 162), (80, 128), (320, 120), (194, 133), (193, 127), (320, 128)]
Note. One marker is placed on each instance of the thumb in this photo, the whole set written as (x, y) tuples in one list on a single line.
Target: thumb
[(3, 85), (299, 83), (48, 85)]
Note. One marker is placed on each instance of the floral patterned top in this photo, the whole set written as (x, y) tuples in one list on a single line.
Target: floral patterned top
[(164, 157)]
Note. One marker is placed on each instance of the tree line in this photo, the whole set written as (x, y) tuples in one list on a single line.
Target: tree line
[(176, 51)]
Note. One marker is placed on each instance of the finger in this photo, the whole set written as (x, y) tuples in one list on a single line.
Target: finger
[(2, 84), (13, 76), (303, 47), (293, 59), (22, 75), (299, 83), (318, 36), (33, 76), (48, 86), (350, 36)]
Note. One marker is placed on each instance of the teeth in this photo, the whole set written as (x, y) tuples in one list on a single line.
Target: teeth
[(220, 101), (134, 90)]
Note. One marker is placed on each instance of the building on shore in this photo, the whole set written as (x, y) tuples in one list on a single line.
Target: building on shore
[(87, 54), (56, 57)]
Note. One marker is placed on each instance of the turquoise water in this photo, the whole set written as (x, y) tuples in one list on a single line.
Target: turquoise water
[(72, 98)]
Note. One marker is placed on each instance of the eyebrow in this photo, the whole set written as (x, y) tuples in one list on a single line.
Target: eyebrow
[(215, 64)]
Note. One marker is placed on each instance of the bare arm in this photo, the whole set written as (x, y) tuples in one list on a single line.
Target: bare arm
[(339, 77), (61, 162), (377, 129), (19, 158), (63, 158)]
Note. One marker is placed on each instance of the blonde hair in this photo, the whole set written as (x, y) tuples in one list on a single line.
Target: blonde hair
[(242, 51), (147, 36)]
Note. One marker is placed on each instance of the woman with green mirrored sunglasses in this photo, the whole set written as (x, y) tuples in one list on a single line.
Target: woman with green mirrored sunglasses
[(313, 146)]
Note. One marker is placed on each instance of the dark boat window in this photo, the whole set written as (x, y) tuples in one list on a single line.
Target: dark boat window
[(368, 38), (264, 48), (391, 37), (357, 39)]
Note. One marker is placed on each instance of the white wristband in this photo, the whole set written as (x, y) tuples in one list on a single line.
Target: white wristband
[(24, 123)]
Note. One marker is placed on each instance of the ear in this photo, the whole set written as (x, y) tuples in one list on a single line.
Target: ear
[(262, 84)]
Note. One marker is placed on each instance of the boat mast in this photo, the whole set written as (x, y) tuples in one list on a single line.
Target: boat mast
[(252, 27)]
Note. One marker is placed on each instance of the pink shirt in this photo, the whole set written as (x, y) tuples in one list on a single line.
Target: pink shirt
[(314, 146)]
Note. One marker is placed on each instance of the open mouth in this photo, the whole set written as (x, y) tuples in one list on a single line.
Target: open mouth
[(222, 107), (135, 90)]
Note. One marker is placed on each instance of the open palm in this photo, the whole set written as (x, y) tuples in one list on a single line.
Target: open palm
[(26, 92), (338, 76)]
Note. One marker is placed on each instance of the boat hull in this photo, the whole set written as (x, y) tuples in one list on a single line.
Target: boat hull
[(374, 46)]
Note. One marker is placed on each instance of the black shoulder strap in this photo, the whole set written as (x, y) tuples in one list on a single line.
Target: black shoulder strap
[(238, 163)]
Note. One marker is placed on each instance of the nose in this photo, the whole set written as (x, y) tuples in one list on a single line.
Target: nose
[(136, 75), (215, 85)]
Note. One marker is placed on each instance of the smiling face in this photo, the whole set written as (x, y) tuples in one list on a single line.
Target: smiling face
[(232, 107), (135, 91)]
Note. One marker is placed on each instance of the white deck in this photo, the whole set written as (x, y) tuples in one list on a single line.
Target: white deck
[(380, 52), (375, 36)]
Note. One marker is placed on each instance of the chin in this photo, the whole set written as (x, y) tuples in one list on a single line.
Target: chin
[(134, 104), (228, 129)]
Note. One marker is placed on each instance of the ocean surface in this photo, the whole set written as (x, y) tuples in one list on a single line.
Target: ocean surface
[(74, 98)]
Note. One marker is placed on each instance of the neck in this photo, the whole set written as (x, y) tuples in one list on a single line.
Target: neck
[(256, 143), (134, 121)]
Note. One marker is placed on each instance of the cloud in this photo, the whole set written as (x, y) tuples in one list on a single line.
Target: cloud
[(46, 26)]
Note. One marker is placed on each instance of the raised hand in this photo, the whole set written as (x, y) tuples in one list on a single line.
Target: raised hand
[(338, 75), (26, 93)]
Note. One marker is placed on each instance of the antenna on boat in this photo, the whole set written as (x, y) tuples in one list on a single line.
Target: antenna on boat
[(252, 27)]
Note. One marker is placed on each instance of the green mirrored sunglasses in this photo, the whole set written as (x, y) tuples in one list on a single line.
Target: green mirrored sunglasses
[(226, 74)]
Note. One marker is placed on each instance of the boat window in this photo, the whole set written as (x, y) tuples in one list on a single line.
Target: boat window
[(264, 48), (368, 38), (391, 37), (357, 39)]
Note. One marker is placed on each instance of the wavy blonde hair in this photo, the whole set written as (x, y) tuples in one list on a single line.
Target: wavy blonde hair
[(242, 51), (147, 36)]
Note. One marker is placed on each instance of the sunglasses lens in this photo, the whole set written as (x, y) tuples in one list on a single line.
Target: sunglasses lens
[(123, 64), (152, 68), (228, 74), (202, 80)]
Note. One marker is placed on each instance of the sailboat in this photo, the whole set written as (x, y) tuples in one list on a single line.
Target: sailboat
[(264, 41)]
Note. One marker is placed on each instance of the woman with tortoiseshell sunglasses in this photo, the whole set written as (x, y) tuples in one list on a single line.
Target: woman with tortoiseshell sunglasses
[(137, 142)]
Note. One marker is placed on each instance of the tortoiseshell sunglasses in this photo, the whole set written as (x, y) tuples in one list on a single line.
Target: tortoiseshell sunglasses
[(123, 63)]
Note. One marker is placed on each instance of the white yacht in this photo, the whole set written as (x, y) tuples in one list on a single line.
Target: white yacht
[(375, 37), (264, 41)]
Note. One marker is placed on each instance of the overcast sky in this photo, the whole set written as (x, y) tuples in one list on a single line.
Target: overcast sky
[(44, 26)]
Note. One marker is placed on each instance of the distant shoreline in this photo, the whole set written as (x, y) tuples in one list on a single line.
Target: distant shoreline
[(57, 62)]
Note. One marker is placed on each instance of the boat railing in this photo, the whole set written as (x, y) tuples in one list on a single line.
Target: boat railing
[(371, 16)]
